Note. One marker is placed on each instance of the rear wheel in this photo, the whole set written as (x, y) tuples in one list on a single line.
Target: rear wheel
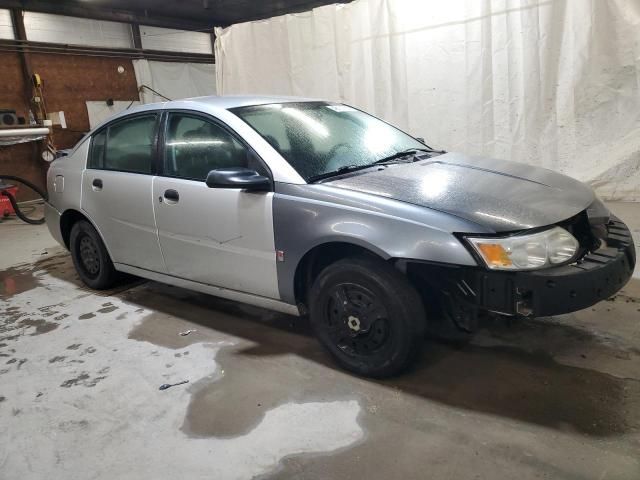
[(90, 257), (368, 316)]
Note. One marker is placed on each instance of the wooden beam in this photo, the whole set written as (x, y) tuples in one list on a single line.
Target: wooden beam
[(25, 60), (62, 49), (113, 15)]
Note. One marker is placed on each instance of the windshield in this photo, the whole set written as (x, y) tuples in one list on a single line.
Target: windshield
[(318, 138)]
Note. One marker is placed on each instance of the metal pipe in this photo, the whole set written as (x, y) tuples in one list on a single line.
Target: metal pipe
[(23, 132)]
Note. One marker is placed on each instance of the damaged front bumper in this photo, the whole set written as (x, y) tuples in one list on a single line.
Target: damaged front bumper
[(552, 291)]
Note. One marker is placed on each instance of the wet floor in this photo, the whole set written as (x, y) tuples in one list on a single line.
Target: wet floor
[(556, 397), (505, 380)]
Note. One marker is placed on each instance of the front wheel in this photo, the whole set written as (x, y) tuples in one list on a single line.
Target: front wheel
[(368, 316), (90, 257)]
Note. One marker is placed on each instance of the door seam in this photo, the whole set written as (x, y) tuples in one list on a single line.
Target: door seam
[(155, 221)]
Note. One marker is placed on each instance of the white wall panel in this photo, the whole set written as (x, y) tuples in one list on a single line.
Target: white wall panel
[(156, 38), (44, 27), (554, 83), (6, 25)]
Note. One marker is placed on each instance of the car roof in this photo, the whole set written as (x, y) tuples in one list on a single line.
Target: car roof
[(215, 102), (224, 101)]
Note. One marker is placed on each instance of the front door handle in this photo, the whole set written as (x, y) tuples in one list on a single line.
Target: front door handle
[(171, 195), (97, 184)]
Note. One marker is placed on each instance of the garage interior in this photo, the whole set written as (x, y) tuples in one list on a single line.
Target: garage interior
[(550, 83)]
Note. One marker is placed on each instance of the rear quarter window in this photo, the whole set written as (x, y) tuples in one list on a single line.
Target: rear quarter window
[(96, 152)]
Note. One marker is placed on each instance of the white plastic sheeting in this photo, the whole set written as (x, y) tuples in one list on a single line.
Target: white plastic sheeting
[(174, 80), (554, 83)]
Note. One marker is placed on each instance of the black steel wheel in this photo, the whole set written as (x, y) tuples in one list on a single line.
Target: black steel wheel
[(90, 256), (368, 316), (356, 321)]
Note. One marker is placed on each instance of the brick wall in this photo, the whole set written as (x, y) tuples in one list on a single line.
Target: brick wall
[(69, 81)]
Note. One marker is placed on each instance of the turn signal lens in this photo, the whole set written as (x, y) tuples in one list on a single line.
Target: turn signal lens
[(494, 254), (527, 252)]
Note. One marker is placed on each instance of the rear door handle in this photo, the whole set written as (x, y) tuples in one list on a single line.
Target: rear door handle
[(97, 184), (172, 195)]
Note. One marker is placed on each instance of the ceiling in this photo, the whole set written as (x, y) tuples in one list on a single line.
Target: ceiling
[(181, 14)]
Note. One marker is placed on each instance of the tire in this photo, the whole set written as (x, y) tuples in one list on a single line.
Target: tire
[(379, 329), (90, 257)]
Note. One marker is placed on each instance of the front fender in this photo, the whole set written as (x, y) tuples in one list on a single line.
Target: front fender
[(305, 218)]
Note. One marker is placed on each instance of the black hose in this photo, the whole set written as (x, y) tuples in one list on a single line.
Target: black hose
[(14, 204)]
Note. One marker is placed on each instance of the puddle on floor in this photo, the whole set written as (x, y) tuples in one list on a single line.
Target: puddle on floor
[(162, 330), (273, 363), (232, 403), (246, 387), (26, 276), (510, 385), (16, 280)]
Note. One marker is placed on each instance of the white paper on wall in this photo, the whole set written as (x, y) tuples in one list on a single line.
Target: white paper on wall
[(554, 83)]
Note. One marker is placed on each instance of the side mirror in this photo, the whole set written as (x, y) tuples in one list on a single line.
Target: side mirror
[(420, 139), (242, 178)]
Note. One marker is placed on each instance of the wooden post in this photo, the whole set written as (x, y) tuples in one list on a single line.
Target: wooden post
[(137, 40), (25, 60)]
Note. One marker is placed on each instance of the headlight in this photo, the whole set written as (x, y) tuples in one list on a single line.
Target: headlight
[(526, 252)]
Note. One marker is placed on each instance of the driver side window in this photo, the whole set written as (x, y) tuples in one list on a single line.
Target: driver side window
[(195, 146)]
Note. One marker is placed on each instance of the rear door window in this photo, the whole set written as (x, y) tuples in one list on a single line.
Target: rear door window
[(130, 145), (126, 146)]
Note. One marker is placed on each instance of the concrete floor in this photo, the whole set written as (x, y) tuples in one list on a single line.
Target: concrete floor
[(79, 375)]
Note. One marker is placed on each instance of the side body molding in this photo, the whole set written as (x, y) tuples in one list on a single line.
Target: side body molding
[(306, 216)]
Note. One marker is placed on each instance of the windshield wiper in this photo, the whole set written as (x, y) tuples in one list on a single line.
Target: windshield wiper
[(404, 153), (382, 161), (339, 171)]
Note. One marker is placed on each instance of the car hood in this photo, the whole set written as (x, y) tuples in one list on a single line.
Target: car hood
[(498, 194)]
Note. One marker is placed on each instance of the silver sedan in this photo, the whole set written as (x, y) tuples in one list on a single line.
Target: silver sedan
[(314, 207)]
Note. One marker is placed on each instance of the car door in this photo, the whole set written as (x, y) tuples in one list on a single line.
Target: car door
[(117, 190), (217, 236)]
